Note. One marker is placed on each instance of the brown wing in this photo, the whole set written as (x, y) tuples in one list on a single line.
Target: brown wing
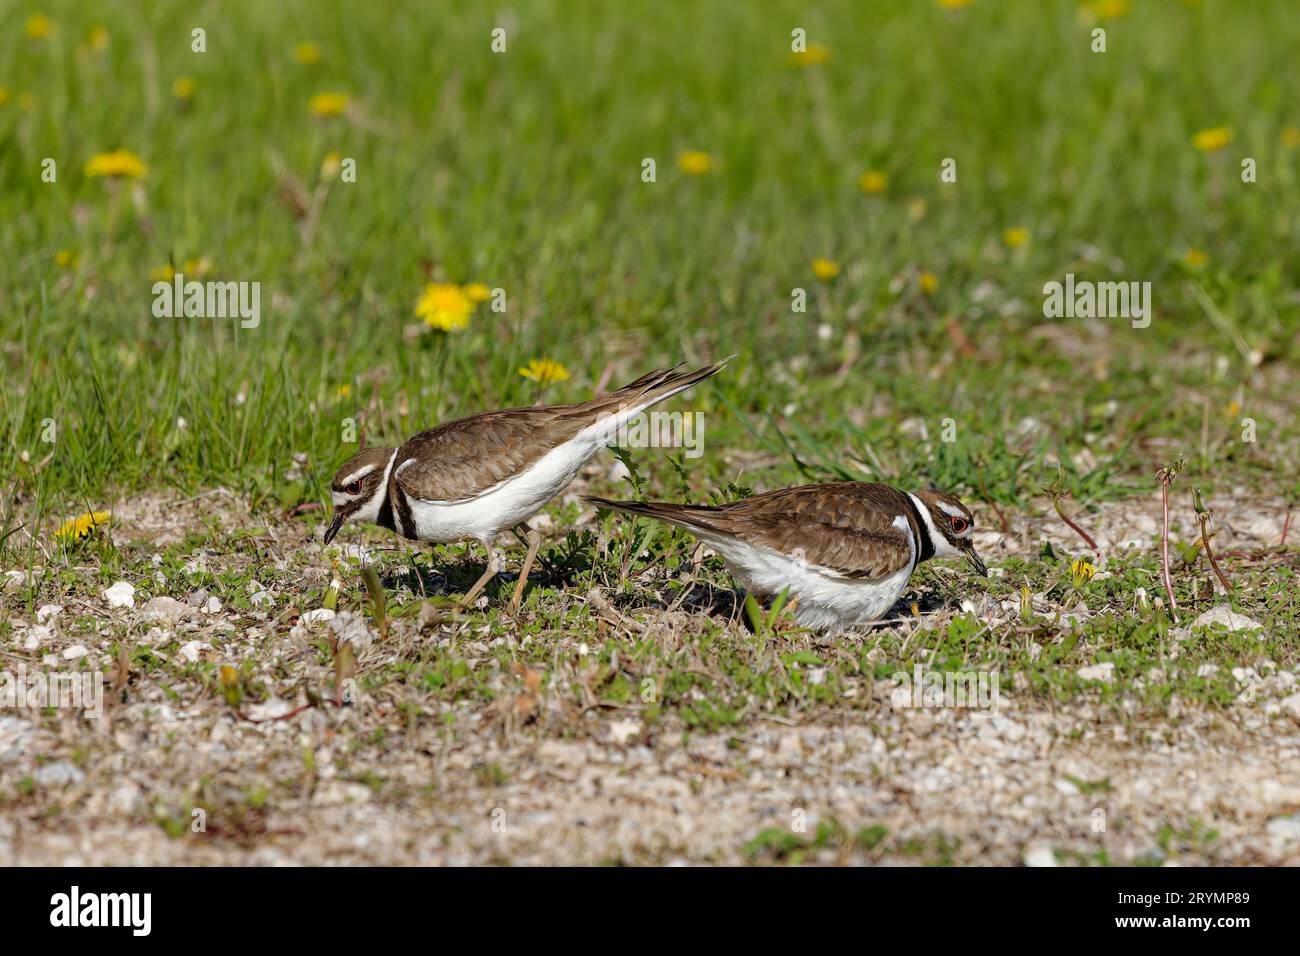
[(465, 458), (846, 527)]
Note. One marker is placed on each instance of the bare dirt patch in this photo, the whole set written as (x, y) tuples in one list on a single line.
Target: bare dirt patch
[(173, 773)]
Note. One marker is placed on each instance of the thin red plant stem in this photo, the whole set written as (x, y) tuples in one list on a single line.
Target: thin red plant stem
[(1164, 550), (287, 716), (1056, 502), (983, 488), (1002, 519), (1205, 540), (1286, 523)]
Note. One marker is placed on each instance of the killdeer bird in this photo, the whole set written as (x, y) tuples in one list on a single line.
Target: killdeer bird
[(845, 550), (478, 476)]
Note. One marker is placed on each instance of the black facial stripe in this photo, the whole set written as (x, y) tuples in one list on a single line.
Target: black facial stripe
[(404, 514), (922, 532), (385, 519)]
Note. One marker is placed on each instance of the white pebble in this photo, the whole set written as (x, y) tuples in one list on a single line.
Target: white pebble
[(121, 594)]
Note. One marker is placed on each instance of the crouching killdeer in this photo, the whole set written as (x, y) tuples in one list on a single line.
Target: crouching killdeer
[(478, 476), (845, 550)]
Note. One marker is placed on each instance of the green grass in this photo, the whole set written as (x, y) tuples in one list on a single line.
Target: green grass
[(521, 170)]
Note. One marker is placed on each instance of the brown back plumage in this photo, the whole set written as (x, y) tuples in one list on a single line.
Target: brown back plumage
[(464, 458), (846, 526)]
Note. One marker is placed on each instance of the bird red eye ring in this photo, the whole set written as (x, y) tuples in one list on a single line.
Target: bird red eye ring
[(959, 525), (354, 488)]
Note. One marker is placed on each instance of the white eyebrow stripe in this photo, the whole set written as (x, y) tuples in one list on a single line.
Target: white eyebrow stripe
[(358, 475), (950, 511)]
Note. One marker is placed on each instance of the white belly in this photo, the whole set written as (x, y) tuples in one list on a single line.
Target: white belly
[(507, 504), (827, 601)]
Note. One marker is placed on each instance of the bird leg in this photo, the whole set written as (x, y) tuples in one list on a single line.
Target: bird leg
[(546, 565), (534, 542), (493, 566)]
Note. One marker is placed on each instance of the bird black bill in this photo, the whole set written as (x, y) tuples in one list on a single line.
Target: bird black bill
[(975, 561), (333, 529)]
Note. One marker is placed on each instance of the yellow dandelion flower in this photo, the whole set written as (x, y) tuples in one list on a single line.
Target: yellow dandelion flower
[(873, 182), (65, 259), (693, 162), (477, 292), (1233, 409), (4, 95), (231, 686), (184, 87), (76, 528), (1290, 136), (331, 164), (1196, 258), (544, 371), (825, 269), (929, 283), (954, 4), (99, 38), (1109, 9), (197, 268), (1015, 236), (814, 55), (344, 391), (1208, 140), (39, 26), (1081, 571), (328, 104), (162, 273), (115, 164), (308, 53), (444, 306)]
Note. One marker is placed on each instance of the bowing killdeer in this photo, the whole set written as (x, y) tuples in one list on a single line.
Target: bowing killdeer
[(845, 550), (478, 476)]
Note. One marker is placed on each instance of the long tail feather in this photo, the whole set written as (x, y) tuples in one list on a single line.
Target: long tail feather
[(683, 516), (650, 389)]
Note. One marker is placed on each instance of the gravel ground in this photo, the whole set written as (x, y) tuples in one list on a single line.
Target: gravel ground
[(532, 779), (997, 790)]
